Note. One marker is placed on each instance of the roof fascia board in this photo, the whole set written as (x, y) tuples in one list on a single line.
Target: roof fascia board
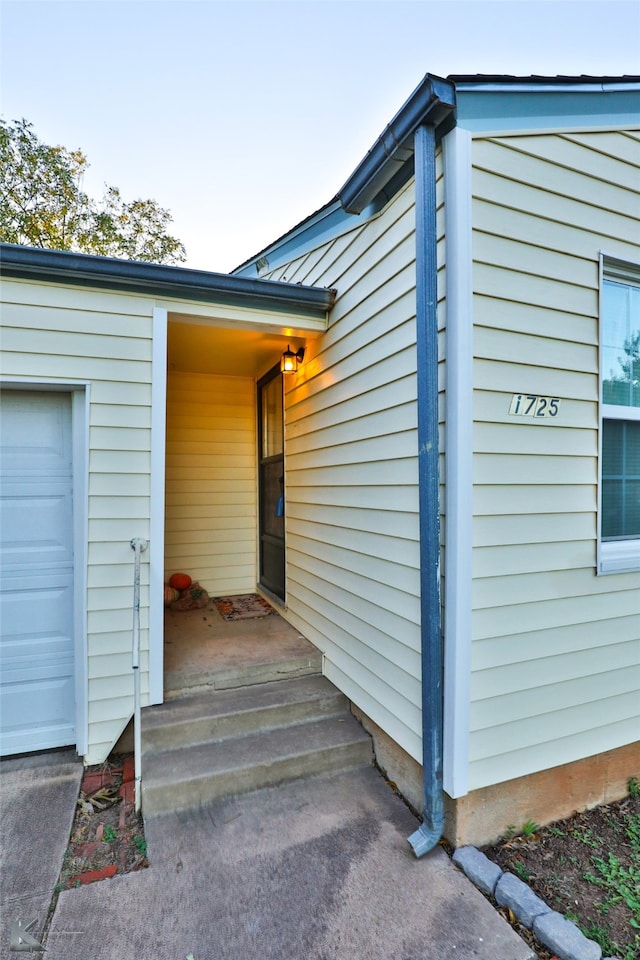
[(547, 86), (329, 222), (325, 225), (161, 281), (498, 107), (431, 103)]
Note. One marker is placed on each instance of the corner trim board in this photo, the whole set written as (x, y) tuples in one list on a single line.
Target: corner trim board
[(156, 510), (457, 149), (80, 417)]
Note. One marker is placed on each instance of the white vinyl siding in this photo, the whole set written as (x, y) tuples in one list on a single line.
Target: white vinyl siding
[(52, 335), (556, 650), (210, 501), (353, 553)]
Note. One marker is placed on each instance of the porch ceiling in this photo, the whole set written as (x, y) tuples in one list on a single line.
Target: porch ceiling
[(205, 348)]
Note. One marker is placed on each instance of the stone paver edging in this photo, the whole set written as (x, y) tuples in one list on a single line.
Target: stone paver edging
[(550, 927)]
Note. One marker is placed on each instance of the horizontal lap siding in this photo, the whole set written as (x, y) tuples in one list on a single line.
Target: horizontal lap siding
[(55, 333), (556, 649), (353, 580), (210, 530)]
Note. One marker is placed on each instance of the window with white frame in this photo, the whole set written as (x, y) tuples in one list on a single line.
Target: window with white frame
[(619, 535)]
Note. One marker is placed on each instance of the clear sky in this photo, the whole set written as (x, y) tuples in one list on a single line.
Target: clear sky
[(242, 118)]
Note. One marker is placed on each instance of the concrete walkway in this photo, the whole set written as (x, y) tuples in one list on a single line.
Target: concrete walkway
[(313, 870), (37, 803)]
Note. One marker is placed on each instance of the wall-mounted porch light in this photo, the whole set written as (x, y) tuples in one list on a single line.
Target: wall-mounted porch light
[(290, 361)]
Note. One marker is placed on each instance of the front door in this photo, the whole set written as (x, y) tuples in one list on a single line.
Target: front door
[(37, 702), (271, 482)]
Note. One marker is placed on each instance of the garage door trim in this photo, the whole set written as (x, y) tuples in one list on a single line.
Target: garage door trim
[(80, 399)]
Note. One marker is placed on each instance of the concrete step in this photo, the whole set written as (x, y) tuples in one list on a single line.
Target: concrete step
[(244, 674), (220, 715), (192, 776)]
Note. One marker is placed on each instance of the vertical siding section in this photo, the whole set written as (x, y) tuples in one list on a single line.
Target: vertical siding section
[(64, 335), (211, 481), (556, 649), (353, 577)]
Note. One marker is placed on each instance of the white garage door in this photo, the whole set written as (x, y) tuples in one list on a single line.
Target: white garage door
[(37, 696)]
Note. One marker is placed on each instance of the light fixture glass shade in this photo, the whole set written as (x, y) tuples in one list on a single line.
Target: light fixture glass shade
[(290, 361)]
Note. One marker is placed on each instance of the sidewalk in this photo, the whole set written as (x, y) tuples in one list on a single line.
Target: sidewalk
[(38, 796), (312, 870)]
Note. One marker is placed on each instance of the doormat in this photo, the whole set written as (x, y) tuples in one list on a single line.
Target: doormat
[(245, 607)]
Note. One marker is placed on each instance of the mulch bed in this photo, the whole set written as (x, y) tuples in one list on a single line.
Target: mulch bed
[(107, 836), (586, 867)]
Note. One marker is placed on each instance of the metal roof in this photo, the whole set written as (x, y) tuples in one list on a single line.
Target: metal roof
[(539, 79)]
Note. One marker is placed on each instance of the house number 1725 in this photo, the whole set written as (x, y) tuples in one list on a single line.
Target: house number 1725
[(528, 405)]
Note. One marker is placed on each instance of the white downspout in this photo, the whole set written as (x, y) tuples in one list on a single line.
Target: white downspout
[(138, 546)]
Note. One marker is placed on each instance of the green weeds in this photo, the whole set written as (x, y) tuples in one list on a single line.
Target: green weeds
[(588, 867), (621, 884), (557, 832), (586, 836), (521, 871), (141, 845), (530, 828)]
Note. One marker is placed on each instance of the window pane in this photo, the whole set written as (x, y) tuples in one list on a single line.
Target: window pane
[(612, 448), (620, 479), (620, 344), (272, 418)]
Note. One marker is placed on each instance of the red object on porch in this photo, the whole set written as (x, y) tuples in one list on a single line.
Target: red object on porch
[(180, 581)]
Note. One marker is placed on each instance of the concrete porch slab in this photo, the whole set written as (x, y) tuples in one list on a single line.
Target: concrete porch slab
[(202, 650)]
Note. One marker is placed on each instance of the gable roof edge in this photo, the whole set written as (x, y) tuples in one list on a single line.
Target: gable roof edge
[(432, 102)]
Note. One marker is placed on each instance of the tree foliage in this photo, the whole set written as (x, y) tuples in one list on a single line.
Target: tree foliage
[(42, 204)]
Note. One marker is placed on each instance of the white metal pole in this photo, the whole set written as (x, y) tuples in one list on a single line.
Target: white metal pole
[(137, 545)]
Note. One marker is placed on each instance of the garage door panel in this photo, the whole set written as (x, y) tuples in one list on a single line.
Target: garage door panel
[(23, 669), (35, 529), (37, 608), (34, 715), (36, 432), (36, 658)]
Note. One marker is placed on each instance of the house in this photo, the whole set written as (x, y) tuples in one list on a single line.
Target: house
[(460, 456), (93, 354)]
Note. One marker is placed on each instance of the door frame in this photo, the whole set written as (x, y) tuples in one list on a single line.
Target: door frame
[(79, 392), (265, 379)]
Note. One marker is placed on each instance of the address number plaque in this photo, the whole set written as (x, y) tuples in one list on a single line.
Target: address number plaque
[(528, 405)]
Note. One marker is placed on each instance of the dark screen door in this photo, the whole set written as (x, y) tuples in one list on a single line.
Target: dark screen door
[(271, 482)]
